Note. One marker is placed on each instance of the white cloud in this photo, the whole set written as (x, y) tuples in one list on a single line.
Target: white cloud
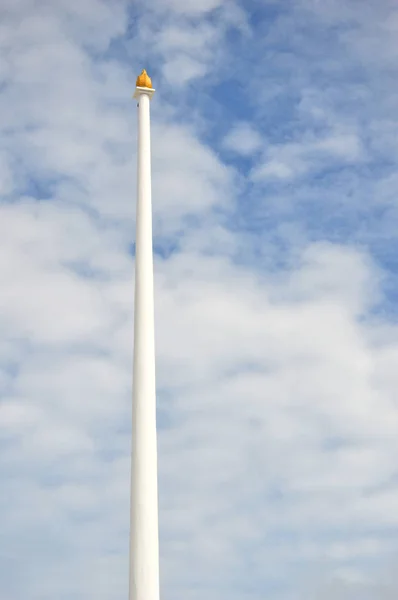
[(179, 71), (243, 139), (186, 39), (295, 159), (190, 179), (190, 7)]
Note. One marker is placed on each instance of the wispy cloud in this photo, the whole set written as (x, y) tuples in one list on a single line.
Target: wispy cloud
[(243, 139)]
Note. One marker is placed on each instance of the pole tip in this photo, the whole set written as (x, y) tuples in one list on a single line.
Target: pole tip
[(143, 80)]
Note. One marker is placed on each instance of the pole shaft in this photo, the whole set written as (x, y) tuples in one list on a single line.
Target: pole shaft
[(144, 537)]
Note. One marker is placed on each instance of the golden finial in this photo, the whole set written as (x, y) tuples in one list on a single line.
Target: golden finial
[(144, 80)]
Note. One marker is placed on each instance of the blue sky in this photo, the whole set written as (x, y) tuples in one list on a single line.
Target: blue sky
[(274, 137)]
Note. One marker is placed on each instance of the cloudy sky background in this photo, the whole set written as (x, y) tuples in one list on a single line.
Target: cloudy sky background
[(274, 133)]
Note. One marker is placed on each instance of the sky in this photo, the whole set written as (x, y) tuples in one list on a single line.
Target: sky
[(275, 199)]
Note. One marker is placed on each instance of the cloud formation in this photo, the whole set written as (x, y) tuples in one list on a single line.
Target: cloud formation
[(275, 241)]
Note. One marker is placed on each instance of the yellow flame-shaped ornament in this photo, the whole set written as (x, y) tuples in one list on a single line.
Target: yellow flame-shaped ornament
[(144, 80)]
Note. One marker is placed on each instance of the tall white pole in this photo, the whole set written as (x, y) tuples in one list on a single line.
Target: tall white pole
[(144, 536)]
